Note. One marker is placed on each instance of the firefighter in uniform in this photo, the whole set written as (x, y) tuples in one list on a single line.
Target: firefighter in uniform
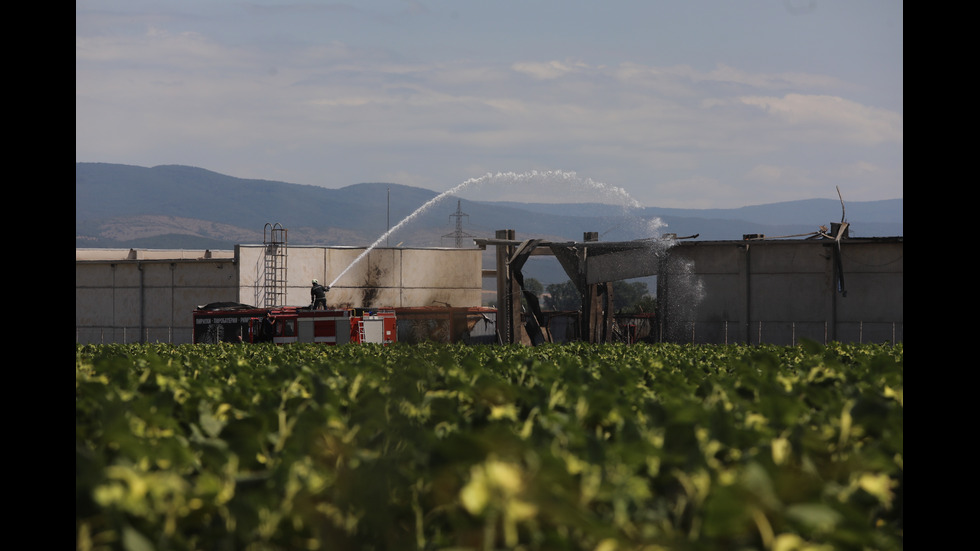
[(318, 296)]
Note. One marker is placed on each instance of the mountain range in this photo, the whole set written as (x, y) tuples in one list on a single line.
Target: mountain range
[(183, 207)]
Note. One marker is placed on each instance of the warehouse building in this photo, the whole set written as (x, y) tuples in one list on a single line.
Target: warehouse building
[(755, 290), (828, 287)]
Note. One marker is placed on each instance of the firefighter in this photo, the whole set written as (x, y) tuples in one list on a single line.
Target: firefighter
[(318, 296), (268, 330)]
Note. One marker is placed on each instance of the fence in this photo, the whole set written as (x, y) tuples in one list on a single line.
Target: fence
[(132, 335), (696, 332), (783, 332)]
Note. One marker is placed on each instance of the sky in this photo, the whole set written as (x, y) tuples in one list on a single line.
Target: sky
[(666, 103)]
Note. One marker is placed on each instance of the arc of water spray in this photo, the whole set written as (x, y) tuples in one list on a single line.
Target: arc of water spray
[(489, 177)]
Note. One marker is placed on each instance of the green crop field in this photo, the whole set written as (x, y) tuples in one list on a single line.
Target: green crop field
[(564, 447)]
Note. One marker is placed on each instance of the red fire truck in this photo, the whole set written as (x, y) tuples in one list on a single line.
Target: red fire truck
[(234, 322)]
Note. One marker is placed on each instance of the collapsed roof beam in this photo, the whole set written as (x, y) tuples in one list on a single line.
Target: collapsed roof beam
[(590, 262)]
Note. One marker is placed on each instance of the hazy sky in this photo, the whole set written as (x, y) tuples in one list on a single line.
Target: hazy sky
[(681, 103)]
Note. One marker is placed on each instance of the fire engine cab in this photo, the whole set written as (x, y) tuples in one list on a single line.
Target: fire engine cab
[(234, 322)]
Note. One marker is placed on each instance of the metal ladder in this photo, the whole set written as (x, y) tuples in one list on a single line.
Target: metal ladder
[(274, 239)]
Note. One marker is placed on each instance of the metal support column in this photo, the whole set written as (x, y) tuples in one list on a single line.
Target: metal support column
[(507, 308), (597, 305)]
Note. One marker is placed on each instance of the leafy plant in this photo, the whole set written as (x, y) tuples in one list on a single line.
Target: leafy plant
[(434, 446)]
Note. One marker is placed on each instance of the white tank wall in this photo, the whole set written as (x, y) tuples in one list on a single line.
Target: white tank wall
[(383, 277)]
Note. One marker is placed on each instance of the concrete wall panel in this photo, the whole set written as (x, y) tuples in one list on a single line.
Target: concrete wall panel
[(381, 268), (157, 274), (441, 268), (126, 306), (250, 265), (440, 297), (882, 258), (373, 297), (781, 291), (124, 275), (776, 297), (871, 298), (339, 260), (92, 275), (712, 259), (789, 258), (90, 307), (159, 309), (306, 264), (221, 275), (719, 297)]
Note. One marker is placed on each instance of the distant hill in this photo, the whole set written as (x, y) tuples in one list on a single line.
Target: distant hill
[(174, 206)]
